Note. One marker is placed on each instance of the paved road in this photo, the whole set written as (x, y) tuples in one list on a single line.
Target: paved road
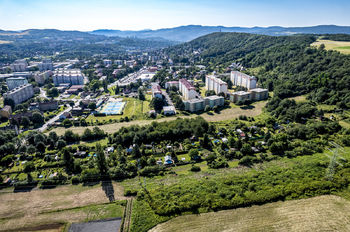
[(128, 79)]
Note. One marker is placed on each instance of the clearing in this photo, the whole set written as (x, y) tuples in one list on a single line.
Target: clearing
[(223, 115), (340, 46), (323, 213), (53, 208)]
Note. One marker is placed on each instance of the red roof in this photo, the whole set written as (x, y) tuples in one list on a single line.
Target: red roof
[(187, 84)]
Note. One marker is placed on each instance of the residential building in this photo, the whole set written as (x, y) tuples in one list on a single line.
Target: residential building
[(45, 65), (107, 62), (19, 66), (215, 84), (130, 63), (118, 62), (259, 94), (42, 77), (20, 94), (170, 84), (13, 82), (75, 89), (214, 100), (187, 89), (244, 80), (199, 104), (169, 110), (69, 76), (156, 91), (153, 69), (45, 106), (6, 111), (240, 96)]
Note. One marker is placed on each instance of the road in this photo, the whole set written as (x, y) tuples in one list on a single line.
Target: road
[(128, 79)]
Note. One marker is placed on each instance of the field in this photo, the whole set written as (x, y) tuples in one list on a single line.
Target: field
[(223, 115), (53, 208), (340, 46), (323, 213)]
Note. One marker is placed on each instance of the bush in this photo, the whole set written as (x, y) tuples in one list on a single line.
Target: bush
[(75, 180), (195, 168), (130, 192)]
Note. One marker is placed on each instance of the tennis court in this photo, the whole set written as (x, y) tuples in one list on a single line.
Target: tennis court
[(113, 108)]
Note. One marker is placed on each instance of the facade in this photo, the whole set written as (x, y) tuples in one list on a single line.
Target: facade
[(199, 104), (107, 62), (118, 62), (169, 110), (42, 77), (259, 94), (187, 89), (68, 76), (170, 84), (244, 80), (19, 66), (75, 89), (45, 65), (20, 94), (253, 95), (6, 111), (45, 106), (156, 91), (214, 101), (215, 84), (13, 83)]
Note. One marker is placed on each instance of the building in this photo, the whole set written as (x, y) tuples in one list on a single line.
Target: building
[(45, 106), (152, 69), (170, 84), (253, 95), (187, 89), (19, 66), (40, 78), (107, 62), (169, 110), (13, 82), (130, 63), (45, 65), (20, 94), (118, 62), (215, 84), (6, 111), (244, 80), (69, 76), (156, 91), (199, 104), (259, 94), (214, 100), (75, 89)]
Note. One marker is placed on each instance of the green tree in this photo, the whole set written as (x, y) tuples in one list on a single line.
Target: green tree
[(38, 119), (101, 160)]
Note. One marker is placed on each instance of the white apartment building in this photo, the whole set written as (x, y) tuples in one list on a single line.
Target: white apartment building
[(15, 82), (187, 89), (19, 66), (170, 84), (216, 84), (20, 94), (68, 76), (107, 62), (42, 77), (46, 64), (244, 80)]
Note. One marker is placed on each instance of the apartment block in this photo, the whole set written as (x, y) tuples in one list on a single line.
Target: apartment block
[(15, 82), (42, 77), (45, 65), (215, 84), (244, 80), (187, 89), (240, 96), (170, 84), (20, 94), (199, 104), (257, 94), (19, 66), (68, 76), (156, 91)]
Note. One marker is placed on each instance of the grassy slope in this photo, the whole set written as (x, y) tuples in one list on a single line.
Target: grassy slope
[(324, 213), (340, 46)]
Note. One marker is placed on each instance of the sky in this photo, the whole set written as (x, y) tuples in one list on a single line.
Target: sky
[(87, 15)]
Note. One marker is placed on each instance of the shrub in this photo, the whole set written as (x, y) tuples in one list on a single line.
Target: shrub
[(195, 168)]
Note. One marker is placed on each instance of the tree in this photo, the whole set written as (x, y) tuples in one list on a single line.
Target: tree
[(25, 122), (37, 119), (68, 160), (92, 106), (53, 92), (41, 147), (246, 149), (157, 103), (101, 160), (67, 123), (60, 144), (141, 94), (194, 154), (10, 102), (31, 149), (28, 167)]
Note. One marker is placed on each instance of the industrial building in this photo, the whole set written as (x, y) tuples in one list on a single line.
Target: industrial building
[(187, 89), (68, 76), (215, 84), (244, 80), (15, 82), (20, 94)]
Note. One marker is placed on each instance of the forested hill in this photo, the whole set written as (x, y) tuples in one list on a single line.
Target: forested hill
[(286, 64)]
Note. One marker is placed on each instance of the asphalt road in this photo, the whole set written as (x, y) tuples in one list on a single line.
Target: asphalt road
[(112, 225)]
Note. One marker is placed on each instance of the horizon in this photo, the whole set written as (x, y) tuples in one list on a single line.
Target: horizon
[(138, 15)]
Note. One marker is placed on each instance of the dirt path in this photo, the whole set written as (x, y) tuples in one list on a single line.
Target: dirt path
[(127, 216)]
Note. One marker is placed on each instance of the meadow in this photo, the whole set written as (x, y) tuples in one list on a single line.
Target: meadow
[(340, 46)]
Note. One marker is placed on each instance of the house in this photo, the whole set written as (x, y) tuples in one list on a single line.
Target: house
[(65, 115), (45, 106), (168, 160), (80, 154), (6, 111), (110, 149)]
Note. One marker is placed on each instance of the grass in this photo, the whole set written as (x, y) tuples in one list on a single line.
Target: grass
[(61, 205), (340, 46), (323, 213)]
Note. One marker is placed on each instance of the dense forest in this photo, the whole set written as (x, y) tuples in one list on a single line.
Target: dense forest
[(288, 65)]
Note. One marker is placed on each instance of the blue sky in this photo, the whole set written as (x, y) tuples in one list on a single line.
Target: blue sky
[(153, 14)]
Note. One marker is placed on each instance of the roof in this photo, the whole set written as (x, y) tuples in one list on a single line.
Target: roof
[(243, 75), (169, 108), (6, 108), (258, 90), (240, 93), (156, 88), (187, 84), (213, 97)]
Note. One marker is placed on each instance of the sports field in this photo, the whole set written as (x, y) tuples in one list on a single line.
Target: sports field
[(340, 46), (323, 213), (113, 108)]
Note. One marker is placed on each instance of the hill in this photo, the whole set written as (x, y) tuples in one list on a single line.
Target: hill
[(190, 32)]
